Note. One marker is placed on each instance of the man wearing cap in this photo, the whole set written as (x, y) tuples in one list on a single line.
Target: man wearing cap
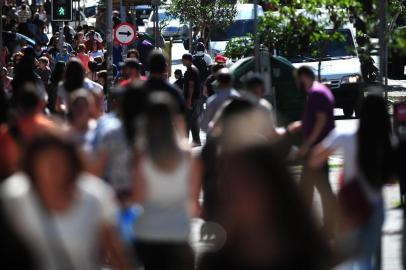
[(131, 70), (220, 59)]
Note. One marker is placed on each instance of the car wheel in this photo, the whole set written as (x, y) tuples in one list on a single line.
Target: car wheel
[(348, 111)]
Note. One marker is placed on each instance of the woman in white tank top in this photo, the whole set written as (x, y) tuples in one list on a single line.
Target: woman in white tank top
[(167, 184)]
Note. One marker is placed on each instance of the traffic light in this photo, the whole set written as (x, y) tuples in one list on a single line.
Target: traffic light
[(61, 10)]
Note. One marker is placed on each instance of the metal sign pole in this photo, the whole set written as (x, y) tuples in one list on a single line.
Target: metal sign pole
[(156, 26), (256, 37), (190, 37), (1, 36), (61, 39), (109, 48), (382, 40)]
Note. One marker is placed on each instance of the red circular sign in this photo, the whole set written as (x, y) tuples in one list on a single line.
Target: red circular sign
[(125, 33)]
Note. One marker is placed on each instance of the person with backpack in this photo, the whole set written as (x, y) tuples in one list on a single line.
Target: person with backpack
[(202, 61)]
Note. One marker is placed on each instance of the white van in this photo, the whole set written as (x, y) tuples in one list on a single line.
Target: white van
[(242, 26), (340, 68)]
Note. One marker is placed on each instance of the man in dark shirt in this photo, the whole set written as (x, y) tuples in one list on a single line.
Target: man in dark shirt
[(192, 94), (158, 82)]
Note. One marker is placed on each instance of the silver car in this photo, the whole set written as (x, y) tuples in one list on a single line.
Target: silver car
[(170, 26)]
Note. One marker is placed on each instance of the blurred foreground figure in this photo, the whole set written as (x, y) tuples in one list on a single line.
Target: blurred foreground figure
[(26, 123), (65, 216), (262, 213), (230, 133), (167, 185), (368, 164)]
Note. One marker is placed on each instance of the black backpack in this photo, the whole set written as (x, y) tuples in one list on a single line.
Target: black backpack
[(201, 65)]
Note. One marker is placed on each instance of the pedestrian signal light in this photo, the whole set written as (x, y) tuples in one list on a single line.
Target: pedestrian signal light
[(61, 10)]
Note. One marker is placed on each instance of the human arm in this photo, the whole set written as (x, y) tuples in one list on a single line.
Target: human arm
[(113, 248), (196, 186), (320, 123), (190, 90), (139, 187)]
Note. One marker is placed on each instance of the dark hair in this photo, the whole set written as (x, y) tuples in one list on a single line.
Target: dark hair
[(133, 51), (74, 75), (28, 98), (375, 151), (306, 71), (200, 47), (46, 142), (58, 73), (178, 72), (157, 62), (160, 135), (133, 104), (187, 56), (260, 165), (24, 73), (224, 77), (254, 81)]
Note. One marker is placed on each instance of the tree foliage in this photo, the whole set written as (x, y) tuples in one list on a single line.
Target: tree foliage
[(205, 14), (300, 27), (239, 47)]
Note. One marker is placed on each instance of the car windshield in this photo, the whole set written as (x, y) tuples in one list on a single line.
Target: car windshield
[(90, 11), (240, 28), (334, 49), (162, 16)]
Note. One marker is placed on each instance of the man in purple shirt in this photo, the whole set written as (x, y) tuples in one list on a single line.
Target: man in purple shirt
[(318, 121)]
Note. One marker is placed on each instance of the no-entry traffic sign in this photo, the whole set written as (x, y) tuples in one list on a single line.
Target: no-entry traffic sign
[(125, 33)]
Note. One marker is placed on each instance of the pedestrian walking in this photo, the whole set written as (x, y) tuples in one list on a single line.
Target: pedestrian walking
[(192, 95), (57, 209), (202, 61), (167, 184), (369, 162), (224, 91), (179, 79), (318, 121)]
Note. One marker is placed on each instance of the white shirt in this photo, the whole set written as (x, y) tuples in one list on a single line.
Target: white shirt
[(87, 84), (72, 236), (206, 58), (165, 217), (347, 142)]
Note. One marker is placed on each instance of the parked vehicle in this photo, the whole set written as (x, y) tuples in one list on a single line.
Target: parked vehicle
[(170, 26), (241, 27), (142, 13), (340, 69), (79, 18)]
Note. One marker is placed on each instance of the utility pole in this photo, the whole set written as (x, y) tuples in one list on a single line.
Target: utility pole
[(1, 36), (61, 39), (190, 37), (155, 4), (109, 47), (256, 37), (382, 8)]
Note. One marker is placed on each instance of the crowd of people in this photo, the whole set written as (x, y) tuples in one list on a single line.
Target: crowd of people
[(91, 177)]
